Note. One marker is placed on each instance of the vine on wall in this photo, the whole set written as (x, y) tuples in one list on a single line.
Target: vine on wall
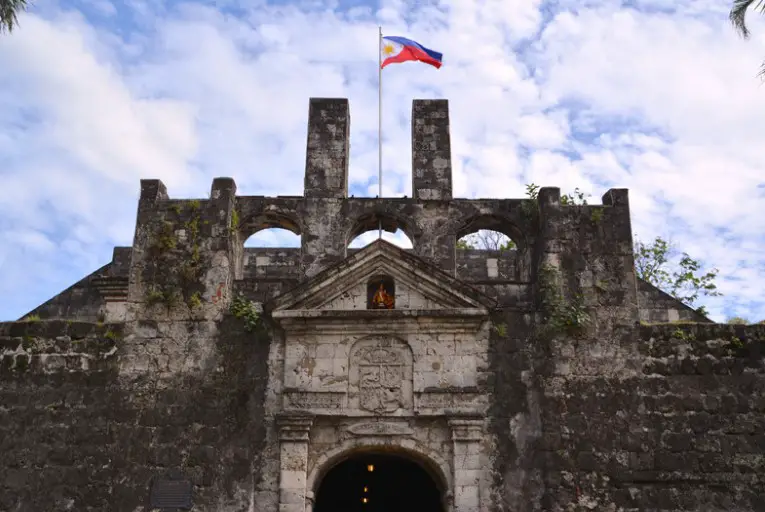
[(560, 316), (178, 266)]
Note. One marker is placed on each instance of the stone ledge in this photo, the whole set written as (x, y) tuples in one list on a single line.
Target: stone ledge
[(58, 328), (386, 314)]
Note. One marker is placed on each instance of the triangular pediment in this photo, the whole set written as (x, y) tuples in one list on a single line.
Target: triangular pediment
[(418, 284)]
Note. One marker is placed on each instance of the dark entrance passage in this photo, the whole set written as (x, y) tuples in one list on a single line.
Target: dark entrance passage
[(378, 483)]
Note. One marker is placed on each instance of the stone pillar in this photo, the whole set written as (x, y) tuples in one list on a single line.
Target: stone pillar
[(467, 435), (326, 166), (153, 193), (293, 462), (431, 150), (326, 184)]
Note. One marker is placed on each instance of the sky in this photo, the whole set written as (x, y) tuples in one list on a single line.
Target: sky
[(656, 96)]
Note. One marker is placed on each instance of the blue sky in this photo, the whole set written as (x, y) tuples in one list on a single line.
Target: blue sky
[(656, 96)]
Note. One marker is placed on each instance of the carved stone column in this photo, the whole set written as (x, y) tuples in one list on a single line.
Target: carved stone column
[(467, 435), (293, 462)]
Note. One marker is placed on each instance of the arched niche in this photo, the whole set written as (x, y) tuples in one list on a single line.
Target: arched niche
[(381, 292)]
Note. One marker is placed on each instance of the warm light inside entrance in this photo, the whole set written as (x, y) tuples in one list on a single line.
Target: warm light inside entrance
[(364, 500), (370, 468)]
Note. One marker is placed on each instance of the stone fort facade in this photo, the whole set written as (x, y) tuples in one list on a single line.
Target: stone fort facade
[(191, 373)]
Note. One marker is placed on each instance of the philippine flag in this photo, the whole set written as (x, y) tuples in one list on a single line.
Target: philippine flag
[(397, 49)]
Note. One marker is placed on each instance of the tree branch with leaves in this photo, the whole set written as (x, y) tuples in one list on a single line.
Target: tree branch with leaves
[(682, 279)]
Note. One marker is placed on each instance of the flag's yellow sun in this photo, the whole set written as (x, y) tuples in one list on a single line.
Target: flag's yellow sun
[(388, 49)]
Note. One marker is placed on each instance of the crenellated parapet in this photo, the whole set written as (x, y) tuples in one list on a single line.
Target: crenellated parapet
[(188, 253)]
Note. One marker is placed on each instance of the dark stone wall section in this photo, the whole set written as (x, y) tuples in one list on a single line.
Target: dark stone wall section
[(686, 434), (75, 435)]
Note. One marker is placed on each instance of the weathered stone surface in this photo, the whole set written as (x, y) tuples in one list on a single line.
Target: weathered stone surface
[(149, 366)]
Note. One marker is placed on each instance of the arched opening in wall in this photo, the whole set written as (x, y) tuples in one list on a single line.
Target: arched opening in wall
[(503, 250), (367, 229), (270, 253), (273, 237), (398, 238), (487, 240), (489, 233), (378, 482)]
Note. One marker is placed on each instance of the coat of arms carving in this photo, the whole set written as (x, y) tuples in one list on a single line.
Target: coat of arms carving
[(383, 370)]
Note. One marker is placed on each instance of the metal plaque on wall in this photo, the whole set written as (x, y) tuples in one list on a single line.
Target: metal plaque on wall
[(171, 492)]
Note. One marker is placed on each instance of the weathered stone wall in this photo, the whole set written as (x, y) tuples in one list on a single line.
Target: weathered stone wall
[(677, 425), (83, 429), (658, 307), (272, 264)]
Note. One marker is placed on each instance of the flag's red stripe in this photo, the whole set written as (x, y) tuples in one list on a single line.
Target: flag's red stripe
[(410, 53)]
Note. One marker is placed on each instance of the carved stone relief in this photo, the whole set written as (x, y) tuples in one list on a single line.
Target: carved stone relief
[(380, 376), (303, 400), (376, 428)]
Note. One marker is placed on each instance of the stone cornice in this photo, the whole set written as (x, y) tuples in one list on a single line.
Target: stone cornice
[(379, 321)]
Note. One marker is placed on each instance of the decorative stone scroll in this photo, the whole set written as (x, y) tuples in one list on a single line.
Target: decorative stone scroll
[(380, 376), (380, 429)]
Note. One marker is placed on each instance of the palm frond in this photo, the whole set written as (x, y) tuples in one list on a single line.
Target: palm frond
[(738, 15), (9, 10)]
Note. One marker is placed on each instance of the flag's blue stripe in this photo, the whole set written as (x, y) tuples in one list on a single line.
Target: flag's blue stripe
[(408, 42)]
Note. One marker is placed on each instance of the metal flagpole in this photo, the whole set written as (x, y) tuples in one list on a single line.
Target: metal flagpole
[(379, 123)]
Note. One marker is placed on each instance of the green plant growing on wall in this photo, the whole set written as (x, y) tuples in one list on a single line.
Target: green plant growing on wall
[(31, 318), (177, 265), (560, 316), (247, 311), (530, 207), (736, 343), (576, 198), (500, 328), (234, 221), (111, 335), (682, 335)]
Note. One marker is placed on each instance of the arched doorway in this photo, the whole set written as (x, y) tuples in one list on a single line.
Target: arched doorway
[(378, 482)]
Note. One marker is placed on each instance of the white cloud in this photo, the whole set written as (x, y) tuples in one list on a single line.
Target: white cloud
[(661, 101)]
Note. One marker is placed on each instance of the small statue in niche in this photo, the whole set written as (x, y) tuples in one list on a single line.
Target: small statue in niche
[(380, 294)]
